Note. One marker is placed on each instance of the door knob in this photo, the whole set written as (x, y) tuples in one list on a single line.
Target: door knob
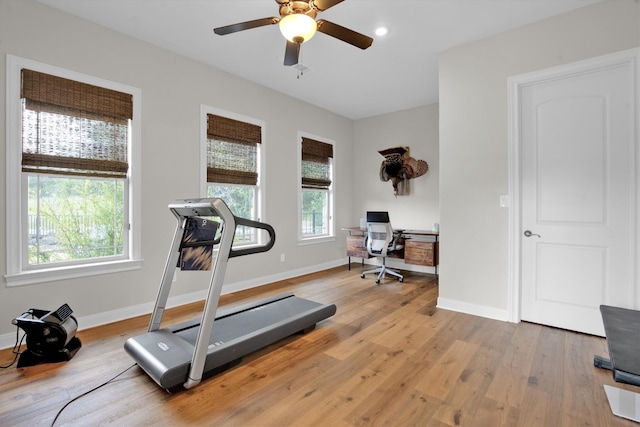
[(528, 233)]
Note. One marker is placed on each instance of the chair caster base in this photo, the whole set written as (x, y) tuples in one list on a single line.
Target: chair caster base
[(380, 274)]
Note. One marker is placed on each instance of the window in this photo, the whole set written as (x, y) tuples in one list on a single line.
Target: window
[(316, 196), (232, 149), (71, 140)]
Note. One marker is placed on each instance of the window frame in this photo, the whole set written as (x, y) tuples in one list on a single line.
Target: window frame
[(305, 239), (17, 272), (259, 192)]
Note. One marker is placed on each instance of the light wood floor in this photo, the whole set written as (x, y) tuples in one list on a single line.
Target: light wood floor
[(388, 357)]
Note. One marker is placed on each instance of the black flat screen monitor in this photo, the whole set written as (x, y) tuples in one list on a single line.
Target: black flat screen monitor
[(377, 216)]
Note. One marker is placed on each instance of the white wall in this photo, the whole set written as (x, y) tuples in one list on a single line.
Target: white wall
[(173, 88), (473, 140), (416, 128)]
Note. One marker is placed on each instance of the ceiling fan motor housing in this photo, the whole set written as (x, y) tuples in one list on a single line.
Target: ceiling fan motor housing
[(296, 6)]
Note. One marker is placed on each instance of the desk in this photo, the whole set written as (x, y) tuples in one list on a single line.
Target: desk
[(417, 249)]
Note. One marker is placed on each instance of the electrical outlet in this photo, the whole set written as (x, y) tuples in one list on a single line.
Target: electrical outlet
[(281, 257)]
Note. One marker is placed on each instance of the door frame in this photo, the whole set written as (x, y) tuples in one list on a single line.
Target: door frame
[(628, 58)]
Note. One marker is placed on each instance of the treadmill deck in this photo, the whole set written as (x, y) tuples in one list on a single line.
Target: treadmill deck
[(166, 354)]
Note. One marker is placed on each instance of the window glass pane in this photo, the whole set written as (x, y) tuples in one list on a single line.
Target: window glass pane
[(315, 213), (74, 218), (241, 201)]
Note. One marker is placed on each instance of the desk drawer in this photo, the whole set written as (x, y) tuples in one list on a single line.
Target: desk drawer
[(421, 253), (356, 248)]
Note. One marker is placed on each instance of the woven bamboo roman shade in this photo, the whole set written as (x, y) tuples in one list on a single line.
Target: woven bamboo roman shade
[(315, 164), (73, 128), (232, 151)]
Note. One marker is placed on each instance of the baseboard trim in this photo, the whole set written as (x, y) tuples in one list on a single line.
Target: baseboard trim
[(473, 309)]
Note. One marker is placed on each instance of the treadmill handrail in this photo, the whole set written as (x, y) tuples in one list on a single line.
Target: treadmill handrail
[(199, 243), (254, 249)]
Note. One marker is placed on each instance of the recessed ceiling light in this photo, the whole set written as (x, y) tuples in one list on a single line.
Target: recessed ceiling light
[(381, 31)]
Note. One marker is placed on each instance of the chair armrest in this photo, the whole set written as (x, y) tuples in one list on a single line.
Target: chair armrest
[(394, 242)]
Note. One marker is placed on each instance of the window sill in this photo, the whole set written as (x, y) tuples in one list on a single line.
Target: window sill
[(314, 240), (71, 272)]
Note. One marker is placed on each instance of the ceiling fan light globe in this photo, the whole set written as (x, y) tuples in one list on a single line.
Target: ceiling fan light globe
[(297, 27)]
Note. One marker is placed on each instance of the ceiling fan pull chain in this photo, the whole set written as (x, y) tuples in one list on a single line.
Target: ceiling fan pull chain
[(299, 66)]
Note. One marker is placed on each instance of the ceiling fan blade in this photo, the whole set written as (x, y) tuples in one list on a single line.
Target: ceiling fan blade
[(344, 34), (323, 5), (291, 53), (234, 28)]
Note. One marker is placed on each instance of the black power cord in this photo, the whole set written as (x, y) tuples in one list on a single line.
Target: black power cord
[(87, 392), (17, 352), (16, 346)]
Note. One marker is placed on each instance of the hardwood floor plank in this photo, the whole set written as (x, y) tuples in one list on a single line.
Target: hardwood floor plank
[(297, 407), (345, 395), (389, 357), (512, 375), (441, 380), (459, 406), (448, 328), (547, 372), (580, 398), (533, 411), (494, 413), (388, 404)]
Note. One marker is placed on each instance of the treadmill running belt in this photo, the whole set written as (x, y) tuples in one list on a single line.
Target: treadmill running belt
[(231, 327)]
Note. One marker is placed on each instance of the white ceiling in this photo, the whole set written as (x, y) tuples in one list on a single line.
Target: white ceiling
[(399, 71)]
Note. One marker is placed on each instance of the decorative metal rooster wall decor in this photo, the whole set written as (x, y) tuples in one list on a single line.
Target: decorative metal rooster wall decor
[(399, 167)]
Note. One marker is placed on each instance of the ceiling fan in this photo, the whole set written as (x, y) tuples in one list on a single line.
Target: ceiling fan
[(298, 24)]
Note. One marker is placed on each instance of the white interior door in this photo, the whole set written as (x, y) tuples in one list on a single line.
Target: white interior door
[(577, 207)]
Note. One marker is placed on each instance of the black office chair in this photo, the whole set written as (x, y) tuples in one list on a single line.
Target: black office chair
[(381, 241)]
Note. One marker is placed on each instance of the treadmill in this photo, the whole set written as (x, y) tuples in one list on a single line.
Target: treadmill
[(183, 354)]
